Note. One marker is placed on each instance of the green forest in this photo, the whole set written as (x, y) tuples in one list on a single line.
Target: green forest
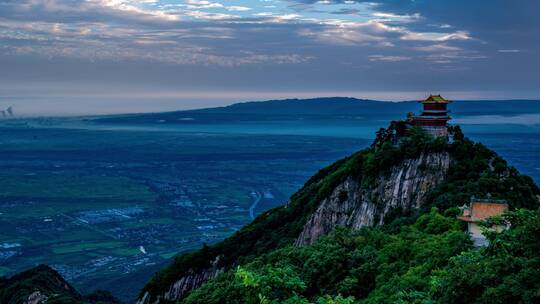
[(417, 256), (430, 261)]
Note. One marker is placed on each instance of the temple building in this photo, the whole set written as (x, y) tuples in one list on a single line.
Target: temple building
[(479, 210), (434, 117)]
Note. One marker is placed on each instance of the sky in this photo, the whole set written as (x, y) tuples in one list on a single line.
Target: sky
[(61, 57)]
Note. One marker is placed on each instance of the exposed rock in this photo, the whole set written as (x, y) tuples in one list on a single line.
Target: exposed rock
[(36, 298), (190, 282), (352, 205), (185, 285)]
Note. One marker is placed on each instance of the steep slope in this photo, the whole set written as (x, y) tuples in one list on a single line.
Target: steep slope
[(430, 260), (43, 284), (352, 205), (384, 185)]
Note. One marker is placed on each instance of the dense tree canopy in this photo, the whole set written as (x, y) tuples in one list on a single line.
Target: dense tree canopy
[(430, 261)]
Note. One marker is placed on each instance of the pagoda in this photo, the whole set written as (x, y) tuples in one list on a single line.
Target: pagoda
[(434, 117)]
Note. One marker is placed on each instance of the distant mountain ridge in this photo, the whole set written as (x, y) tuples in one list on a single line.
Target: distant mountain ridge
[(315, 106), (320, 107), (354, 106)]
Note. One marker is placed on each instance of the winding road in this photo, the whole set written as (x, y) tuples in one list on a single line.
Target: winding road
[(257, 196)]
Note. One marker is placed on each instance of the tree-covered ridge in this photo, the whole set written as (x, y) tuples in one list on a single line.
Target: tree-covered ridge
[(43, 284), (475, 171), (430, 261), (43, 280)]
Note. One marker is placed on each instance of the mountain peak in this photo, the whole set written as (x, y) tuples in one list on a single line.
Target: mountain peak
[(385, 185)]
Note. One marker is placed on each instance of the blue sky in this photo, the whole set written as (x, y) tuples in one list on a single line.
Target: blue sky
[(107, 56)]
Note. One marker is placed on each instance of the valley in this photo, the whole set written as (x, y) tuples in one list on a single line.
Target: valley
[(104, 206), (104, 202)]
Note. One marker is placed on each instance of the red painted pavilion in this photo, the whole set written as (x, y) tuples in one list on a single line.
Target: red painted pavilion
[(434, 117)]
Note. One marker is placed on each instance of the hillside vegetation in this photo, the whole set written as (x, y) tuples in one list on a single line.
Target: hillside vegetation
[(43, 284), (430, 261), (413, 258)]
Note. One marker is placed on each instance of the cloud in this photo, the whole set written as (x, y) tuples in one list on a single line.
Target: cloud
[(438, 47), (388, 58), (390, 17), (238, 8), (509, 51), (377, 33), (368, 33), (431, 36)]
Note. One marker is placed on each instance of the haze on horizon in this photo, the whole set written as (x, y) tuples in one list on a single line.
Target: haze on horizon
[(120, 56)]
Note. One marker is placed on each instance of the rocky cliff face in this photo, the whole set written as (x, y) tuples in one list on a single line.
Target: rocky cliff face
[(352, 205), (184, 285)]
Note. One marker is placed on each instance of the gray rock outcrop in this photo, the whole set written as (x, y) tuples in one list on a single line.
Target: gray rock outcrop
[(351, 205), (184, 285)]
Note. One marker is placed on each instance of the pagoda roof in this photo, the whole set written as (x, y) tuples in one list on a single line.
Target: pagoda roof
[(435, 99)]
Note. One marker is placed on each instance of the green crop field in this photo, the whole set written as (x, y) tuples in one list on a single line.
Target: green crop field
[(85, 247), (48, 186)]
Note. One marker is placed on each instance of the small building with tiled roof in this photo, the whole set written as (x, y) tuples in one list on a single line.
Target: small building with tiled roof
[(479, 210)]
